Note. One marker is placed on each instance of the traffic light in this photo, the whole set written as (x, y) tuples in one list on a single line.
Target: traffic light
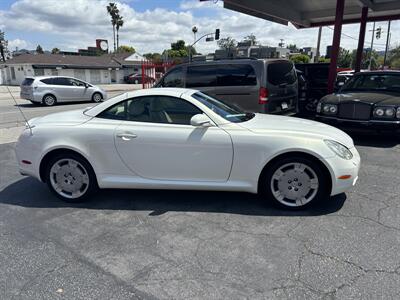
[(216, 34), (378, 33)]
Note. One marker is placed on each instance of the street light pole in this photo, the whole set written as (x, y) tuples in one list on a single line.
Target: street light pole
[(387, 45), (372, 45)]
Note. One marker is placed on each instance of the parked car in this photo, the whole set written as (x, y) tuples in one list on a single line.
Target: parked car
[(49, 90), (138, 79), (368, 100), (184, 139), (266, 86), (313, 85)]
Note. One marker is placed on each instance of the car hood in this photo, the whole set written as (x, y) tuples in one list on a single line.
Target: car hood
[(263, 123), (73, 117), (370, 98)]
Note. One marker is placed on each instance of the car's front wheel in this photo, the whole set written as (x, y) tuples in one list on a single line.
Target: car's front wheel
[(70, 177), (294, 183), (97, 97)]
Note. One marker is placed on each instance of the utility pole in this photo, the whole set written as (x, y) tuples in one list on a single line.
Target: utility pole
[(387, 45), (372, 45), (318, 44)]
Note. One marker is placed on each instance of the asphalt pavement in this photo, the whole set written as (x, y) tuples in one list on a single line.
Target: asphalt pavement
[(143, 244)]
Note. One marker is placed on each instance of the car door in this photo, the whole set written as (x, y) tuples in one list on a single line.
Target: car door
[(81, 92), (156, 141), (64, 89)]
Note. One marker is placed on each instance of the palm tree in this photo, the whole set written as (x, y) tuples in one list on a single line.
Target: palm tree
[(113, 11), (119, 24)]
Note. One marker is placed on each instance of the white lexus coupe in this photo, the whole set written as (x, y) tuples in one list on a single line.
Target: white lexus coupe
[(184, 139)]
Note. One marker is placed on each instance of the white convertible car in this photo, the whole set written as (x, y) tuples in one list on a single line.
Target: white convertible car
[(184, 139)]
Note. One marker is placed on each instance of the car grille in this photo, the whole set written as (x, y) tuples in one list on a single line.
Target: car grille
[(355, 111)]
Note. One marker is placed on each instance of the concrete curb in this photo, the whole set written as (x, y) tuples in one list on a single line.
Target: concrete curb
[(10, 135)]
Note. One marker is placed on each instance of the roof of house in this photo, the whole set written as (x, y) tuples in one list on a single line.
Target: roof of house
[(73, 61)]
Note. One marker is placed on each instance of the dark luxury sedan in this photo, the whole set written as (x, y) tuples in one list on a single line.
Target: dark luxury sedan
[(369, 100)]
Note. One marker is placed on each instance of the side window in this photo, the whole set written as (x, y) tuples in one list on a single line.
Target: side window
[(62, 81), (236, 75), (115, 112), (173, 78), (201, 76), (47, 81), (75, 82), (153, 109)]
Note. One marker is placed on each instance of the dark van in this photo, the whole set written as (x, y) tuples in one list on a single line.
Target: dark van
[(263, 85)]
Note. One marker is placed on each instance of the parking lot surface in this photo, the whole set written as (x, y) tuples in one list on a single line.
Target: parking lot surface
[(142, 244)]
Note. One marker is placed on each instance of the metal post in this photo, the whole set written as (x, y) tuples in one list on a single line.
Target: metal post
[(361, 38), (318, 44), (387, 46), (372, 46), (335, 45)]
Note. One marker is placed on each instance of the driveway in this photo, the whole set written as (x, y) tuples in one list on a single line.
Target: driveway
[(143, 244)]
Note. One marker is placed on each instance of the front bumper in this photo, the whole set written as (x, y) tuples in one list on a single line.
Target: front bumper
[(340, 167), (385, 125)]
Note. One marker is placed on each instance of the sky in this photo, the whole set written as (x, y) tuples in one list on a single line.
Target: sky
[(152, 25)]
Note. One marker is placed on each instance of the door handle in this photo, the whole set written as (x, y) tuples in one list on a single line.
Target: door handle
[(126, 136)]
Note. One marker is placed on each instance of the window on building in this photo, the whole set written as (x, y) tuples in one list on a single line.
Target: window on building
[(12, 73), (39, 72), (54, 72)]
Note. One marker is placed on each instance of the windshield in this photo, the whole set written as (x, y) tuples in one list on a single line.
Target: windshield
[(373, 82), (228, 112)]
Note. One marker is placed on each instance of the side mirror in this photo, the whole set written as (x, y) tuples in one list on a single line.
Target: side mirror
[(200, 120), (86, 86)]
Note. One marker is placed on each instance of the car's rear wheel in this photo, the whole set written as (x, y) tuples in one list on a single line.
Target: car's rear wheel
[(294, 183), (70, 177), (49, 100), (97, 97)]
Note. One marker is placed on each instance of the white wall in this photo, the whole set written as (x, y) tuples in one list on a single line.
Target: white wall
[(24, 70)]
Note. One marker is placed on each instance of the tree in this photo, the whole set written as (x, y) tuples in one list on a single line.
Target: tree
[(344, 58), (227, 43), (292, 47), (300, 58), (118, 25), (178, 45), (3, 46), (39, 49), (126, 49), (55, 51), (113, 11), (251, 38)]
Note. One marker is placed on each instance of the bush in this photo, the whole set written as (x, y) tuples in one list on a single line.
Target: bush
[(300, 59)]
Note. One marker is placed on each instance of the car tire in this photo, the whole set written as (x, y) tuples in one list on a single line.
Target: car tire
[(70, 177), (97, 97), (49, 100), (294, 183)]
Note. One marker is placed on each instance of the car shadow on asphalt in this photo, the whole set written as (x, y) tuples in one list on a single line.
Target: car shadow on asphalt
[(29, 192), (376, 140)]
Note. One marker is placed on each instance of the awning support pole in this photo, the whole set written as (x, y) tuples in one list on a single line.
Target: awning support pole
[(335, 45), (361, 38)]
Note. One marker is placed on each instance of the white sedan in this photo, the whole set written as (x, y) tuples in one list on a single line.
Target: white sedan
[(184, 139)]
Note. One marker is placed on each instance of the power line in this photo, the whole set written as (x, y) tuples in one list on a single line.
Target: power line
[(352, 37)]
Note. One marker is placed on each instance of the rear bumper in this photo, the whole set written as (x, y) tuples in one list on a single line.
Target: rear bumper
[(380, 125), (30, 97)]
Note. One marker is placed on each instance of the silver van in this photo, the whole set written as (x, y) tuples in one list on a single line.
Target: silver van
[(256, 85), (49, 90)]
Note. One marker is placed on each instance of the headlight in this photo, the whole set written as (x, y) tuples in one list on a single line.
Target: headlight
[(398, 113), (385, 112), (339, 149), (330, 109)]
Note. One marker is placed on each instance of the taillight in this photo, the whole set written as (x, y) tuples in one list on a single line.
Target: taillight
[(263, 98)]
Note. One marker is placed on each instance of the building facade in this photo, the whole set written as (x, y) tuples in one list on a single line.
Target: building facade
[(105, 69)]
